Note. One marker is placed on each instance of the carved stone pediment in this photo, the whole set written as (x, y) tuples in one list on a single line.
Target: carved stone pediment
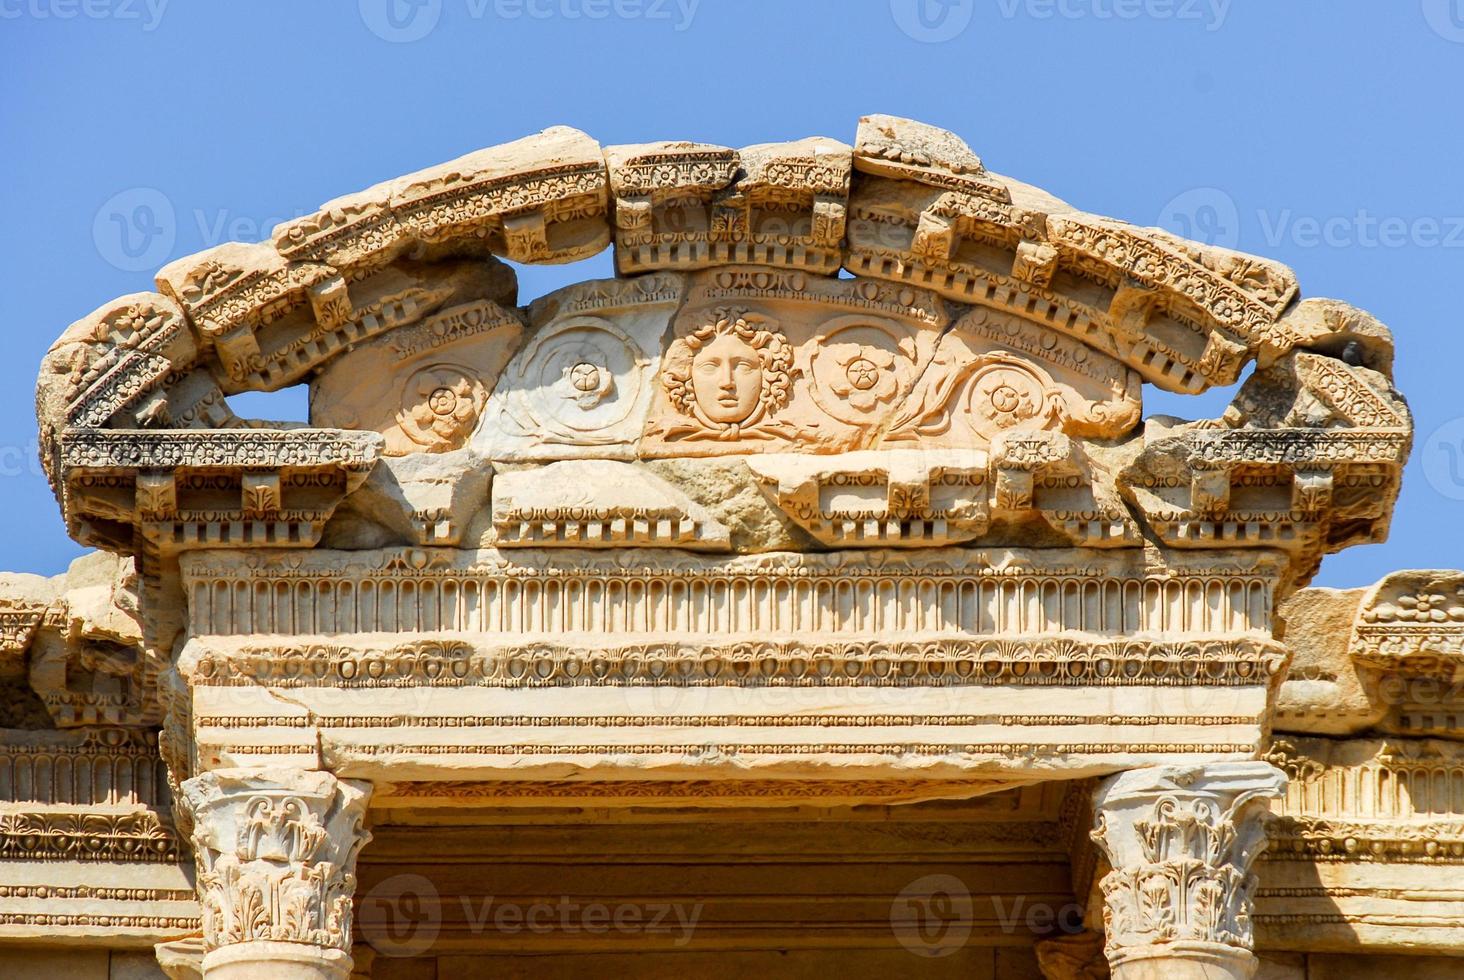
[(1413, 622)]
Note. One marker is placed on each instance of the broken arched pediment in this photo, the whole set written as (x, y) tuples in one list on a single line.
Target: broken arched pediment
[(984, 318)]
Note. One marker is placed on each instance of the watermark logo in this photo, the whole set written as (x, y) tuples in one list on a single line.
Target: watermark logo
[(404, 21), (1445, 18), (1211, 13), (1443, 459), (147, 13), (1205, 214), (1211, 216), (932, 21), (400, 21), (134, 230), (401, 916), (932, 916)]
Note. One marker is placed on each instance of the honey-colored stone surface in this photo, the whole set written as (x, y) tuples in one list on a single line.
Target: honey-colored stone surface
[(818, 572)]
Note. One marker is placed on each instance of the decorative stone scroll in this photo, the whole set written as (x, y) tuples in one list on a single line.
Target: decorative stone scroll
[(995, 373), (441, 370), (581, 386)]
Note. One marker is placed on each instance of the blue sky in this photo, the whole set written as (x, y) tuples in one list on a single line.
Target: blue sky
[(1328, 134)]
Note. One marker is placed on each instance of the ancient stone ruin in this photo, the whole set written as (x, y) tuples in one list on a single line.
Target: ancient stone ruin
[(812, 598)]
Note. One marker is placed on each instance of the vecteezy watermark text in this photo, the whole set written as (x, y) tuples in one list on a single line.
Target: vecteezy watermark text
[(1210, 215), (135, 230), (402, 916), (933, 21), (934, 915), (403, 21), (147, 13)]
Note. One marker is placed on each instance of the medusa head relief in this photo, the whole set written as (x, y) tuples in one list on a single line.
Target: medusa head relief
[(730, 376)]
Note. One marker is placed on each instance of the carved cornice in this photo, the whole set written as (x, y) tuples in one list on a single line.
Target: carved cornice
[(90, 834)]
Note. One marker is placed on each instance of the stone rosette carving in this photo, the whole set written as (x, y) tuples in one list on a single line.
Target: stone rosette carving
[(1182, 842), (276, 853), (1414, 622), (581, 385)]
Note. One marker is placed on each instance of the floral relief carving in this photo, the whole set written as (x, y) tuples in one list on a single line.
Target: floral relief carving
[(276, 855), (1182, 842), (861, 368), (441, 405)]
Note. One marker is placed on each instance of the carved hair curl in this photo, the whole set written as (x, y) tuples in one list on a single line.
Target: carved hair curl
[(759, 332)]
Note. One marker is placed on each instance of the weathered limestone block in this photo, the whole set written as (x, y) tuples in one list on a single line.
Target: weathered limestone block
[(582, 384), (1326, 691), (692, 205), (1412, 622), (276, 852), (89, 854), (664, 211), (1385, 659), (422, 498), (181, 489), (889, 146), (424, 387), (1337, 329), (72, 643), (669, 665), (899, 498), (115, 360), (539, 199), (599, 504), (231, 291), (1182, 842), (1308, 458)]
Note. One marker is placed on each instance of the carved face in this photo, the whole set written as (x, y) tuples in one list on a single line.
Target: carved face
[(726, 379), (732, 371)]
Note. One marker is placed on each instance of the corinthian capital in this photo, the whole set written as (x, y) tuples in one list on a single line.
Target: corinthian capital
[(276, 853), (1182, 841)]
